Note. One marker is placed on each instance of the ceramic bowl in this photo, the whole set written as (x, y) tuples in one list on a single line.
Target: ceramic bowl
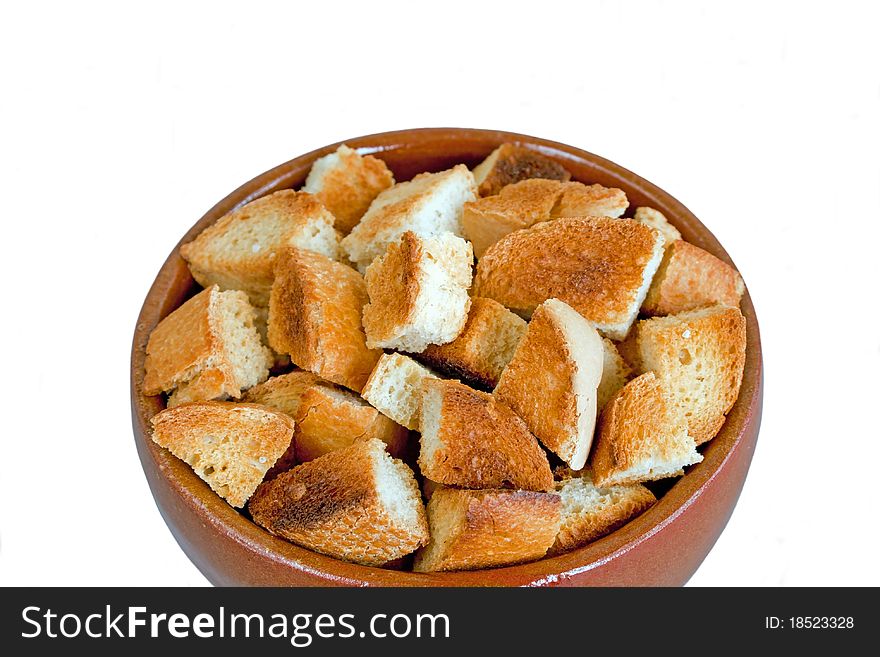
[(663, 547)]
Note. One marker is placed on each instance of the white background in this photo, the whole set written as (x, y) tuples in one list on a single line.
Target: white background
[(121, 126)]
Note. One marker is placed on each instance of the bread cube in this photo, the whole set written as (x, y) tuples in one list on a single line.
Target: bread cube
[(346, 183), (470, 439), (590, 512), (699, 356), (483, 348), (327, 417), (641, 437), (510, 164), (526, 203), (356, 503), (615, 373), (395, 388), (238, 252), (208, 348), (418, 292), (429, 204), (601, 267), (521, 205), (315, 317), (230, 446), (579, 200), (473, 529), (553, 378), (689, 278)]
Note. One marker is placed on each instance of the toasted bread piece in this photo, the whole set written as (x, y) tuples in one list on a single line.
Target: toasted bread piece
[(699, 357), (230, 446), (641, 437), (429, 204), (552, 380), (470, 439), (517, 206), (395, 388), (580, 200), (473, 529), (356, 503), (484, 347), (209, 384), (315, 317), (346, 183), (418, 292), (615, 373), (238, 252), (590, 512), (510, 164), (601, 267), (657, 220), (526, 203), (208, 348), (327, 417), (690, 278)]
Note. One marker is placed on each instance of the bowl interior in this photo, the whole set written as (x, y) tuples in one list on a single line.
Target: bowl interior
[(407, 153)]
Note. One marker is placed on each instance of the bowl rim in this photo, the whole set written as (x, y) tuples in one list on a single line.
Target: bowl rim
[(192, 492)]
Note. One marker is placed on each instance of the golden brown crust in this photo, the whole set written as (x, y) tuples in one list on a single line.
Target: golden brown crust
[(315, 317), (580, 200), (690, 278), (529, 202), (315, 492), (230, 446), (538, 384), (626, 425), (393, 284), (394, 388), (593, 512), (515, 163), (348, 188), (327, 417), (516, 206), (428, 204), (186, 351), (180, 343), (210, 383), (699, 356), (332, 505), (250, 267), (473, 529), (329, 422), (640, 437), (418, 292), (283, 392), (480, 443), (483, 348), (595, 264)]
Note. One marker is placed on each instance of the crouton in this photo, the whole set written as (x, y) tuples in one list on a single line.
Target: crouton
[(315, 317), (238, 251), (346, 183)]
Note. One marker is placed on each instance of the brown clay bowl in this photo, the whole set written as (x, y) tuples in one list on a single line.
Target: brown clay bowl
[(662, 547)]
